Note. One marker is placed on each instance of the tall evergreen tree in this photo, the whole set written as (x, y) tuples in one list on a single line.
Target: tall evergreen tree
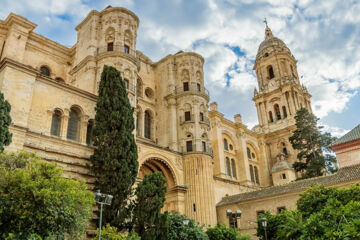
[(314, 157), (5, 121), (114, 161), (150, 198)]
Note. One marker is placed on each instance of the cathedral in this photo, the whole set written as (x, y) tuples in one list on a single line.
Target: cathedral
[(207, 160)]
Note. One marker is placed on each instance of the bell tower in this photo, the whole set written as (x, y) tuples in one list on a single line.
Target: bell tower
[(278, 97)]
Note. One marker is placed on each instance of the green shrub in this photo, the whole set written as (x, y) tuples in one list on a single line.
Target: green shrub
[(221, 232), (112, 233)]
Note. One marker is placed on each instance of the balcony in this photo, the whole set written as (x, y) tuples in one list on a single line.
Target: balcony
[(197, 149), (205, 120), (117, 49), (193, 88), (189, 119)]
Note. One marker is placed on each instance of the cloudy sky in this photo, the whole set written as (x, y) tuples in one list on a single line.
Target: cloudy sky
[(324, 36)]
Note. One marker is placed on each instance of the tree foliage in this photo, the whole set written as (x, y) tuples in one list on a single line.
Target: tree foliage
[(112, 233), (37, 201), (150, 198), (323, 213), (314, 152), (5, 121), (178, 230), (221, 232), (114, 161)]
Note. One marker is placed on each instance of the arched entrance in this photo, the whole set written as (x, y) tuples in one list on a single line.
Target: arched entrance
[(175, 194)]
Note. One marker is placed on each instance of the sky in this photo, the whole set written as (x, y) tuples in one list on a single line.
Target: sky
[(323, 35)]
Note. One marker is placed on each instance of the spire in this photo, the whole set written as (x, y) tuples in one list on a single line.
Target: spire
[(268, 32)]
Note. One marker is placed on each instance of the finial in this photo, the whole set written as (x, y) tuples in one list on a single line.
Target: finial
[(265, 21)]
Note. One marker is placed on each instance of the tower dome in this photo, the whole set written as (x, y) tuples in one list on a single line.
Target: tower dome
[(271, 44)]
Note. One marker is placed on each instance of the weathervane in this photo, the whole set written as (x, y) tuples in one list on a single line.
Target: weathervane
[(265, 21)]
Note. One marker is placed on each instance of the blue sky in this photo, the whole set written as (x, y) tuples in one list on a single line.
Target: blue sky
[(323, 36)]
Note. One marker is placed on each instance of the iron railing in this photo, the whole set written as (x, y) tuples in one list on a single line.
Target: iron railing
[(194, 148), (116, 48), (183, 119), (192, 88)]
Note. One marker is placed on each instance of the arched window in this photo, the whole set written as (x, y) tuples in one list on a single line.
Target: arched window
[(55, 123), (226, 146), (110, 46), (59, 79), (284, 111), (252, 173), (271, 72), (248, 153), (227, 162), (271, 119), (277, 111), (126, 81), (89, 132), (139, 88), (45, 71), (284, 149), (147, 123), (73, 125), (233, 168), (256, 175)]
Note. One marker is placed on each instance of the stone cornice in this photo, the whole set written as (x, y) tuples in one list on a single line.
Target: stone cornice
[(30, 70), (346, 145), (43, 41), (107, 10), (13, 18), (179, 55)]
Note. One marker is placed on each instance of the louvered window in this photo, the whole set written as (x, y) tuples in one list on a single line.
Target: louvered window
[(147, 124), (55, 124), (73, 126)]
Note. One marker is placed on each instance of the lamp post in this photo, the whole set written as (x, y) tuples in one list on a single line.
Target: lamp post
[(186, 222), (102, 199), (232, 215), (264, 224)]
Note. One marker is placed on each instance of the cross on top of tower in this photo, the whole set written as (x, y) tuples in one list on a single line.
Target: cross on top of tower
[(265, 21), (268, 33)]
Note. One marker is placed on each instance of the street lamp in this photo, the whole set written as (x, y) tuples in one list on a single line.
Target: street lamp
[(102, 199), (231, 216), (264, 224), (186, 222)]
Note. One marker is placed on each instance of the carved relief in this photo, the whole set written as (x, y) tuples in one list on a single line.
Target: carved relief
[(110, 35), (185, 76)]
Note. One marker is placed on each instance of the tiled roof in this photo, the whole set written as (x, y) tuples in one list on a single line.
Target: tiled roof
[(344, 174), (350, 136)]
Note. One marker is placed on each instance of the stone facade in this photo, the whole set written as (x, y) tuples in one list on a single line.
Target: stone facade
[(204, 157)]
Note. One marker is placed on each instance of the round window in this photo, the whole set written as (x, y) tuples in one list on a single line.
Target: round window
[(149, 92)]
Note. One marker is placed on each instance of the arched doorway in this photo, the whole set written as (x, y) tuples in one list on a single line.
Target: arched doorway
[(175, 194)]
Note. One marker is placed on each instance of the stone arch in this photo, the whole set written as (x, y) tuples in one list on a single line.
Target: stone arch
[(230, 137), (155, 164), (254, 148)]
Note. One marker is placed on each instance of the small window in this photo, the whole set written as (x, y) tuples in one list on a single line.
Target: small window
[(201, 117), (253, 155), (110, 46), (149, 92), (233, 222), (126, 81), (256, 173), (194, 207), (45, 71), (189, 146), (233, 168), (55, 123), (73, 126), (231, 147), (258, 213), (126, 49), (203, 146), (252, 173), (198, 87), (284, 111), (187, 116), (248, 153), (58, 79), (280, 209), (271, 72), (147, 125), (277, 111), (266, 54), (271, 119), (228, 170), (186, 86), (89, 132), (283, 176), (226, 146), (285, 151)]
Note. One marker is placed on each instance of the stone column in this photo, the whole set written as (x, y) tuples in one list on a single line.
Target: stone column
[(172, 125), (83, 129)]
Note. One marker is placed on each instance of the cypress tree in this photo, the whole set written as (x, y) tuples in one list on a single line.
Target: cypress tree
[(5, 121), (314, 157), (150, 198), (114, 161)]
